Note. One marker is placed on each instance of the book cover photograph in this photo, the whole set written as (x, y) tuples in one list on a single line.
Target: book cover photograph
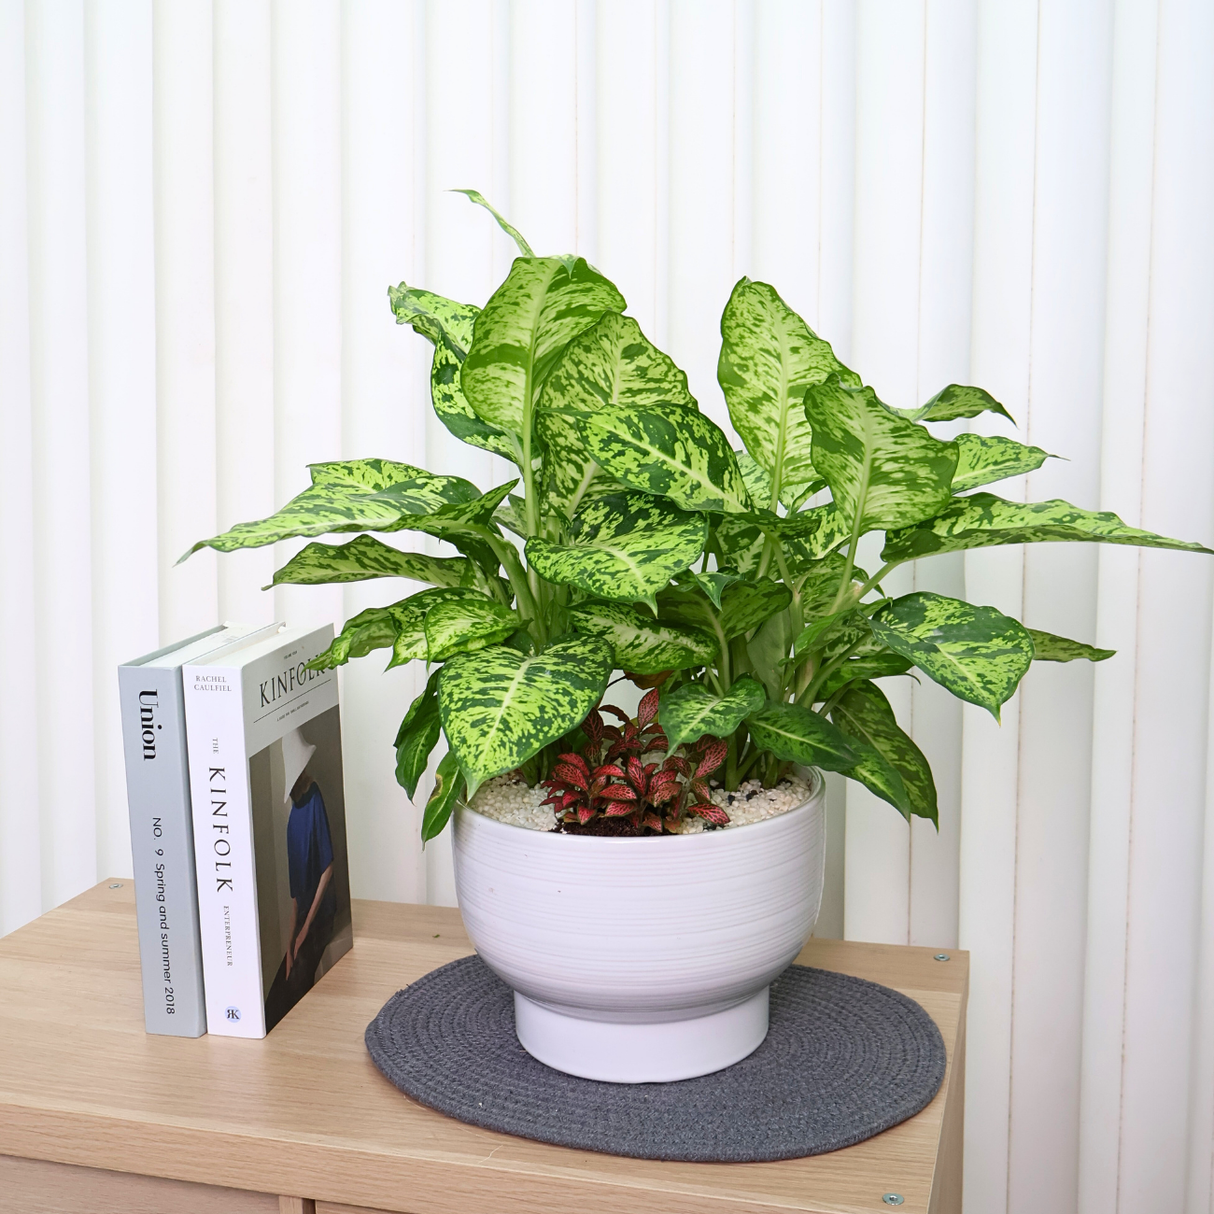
[(264, 736)]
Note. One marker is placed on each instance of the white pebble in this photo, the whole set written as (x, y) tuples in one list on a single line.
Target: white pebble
[(508, 799)]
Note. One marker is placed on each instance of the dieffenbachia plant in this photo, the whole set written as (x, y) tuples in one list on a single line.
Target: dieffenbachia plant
[(634, 538)]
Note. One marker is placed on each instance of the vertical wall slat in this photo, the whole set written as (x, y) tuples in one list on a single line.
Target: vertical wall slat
[(59, 383), (182, 97), (121, 291), (20, 801)]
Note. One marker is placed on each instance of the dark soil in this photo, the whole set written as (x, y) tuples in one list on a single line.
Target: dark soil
[(614, 827)]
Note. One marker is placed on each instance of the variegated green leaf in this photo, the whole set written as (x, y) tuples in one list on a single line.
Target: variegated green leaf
[(957, 400), (542, 305), (883, 470), (417, 737), (983, 459), (1050, 648), (677, 453), (871, 666), (500, 707), (611, 364), (891, 765), (502, 222), (448, 326), (758, 484), (982, 519), (623, 547), (448, 789), (344, 496), (804, 538), (798, 735), (744, 606), (642, 644), (769, 357), (690, 711), (465, 625), (366, 557), (399, 625), (977, 653)]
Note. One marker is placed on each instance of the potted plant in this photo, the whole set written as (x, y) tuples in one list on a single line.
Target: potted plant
[(640, 929)]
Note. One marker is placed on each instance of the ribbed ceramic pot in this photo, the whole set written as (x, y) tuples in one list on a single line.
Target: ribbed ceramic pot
[(641, 960)]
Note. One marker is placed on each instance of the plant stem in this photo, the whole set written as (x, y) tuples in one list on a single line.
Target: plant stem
[(876, 578)]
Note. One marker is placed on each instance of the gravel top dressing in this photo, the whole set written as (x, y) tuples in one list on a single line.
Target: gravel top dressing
[(508, 799)]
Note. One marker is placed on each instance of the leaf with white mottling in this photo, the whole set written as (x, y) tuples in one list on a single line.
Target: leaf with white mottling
[(799, 735), (448, 788), (872, 666), (955, 401), (677, 453), (542, 305), (611, 364), (502, 222), (417, 736), (623, 547), (891, 765), (805, 537), (983, 459), (500, 707), (982, 520), (447, 325), (744, 606), (883, 470), (690, 711), (977, 653), (758, 484), (769, 357), (364, 558), (465, 625), (345, 496), (1050, 648), (642, 644)]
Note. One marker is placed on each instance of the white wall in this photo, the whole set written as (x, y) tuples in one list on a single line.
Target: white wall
[(202, 204)]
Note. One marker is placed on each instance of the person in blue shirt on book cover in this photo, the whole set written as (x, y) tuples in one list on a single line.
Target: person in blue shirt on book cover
[(310, 870)]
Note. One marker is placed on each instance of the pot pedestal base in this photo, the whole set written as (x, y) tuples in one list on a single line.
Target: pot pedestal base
[(641, 1053)]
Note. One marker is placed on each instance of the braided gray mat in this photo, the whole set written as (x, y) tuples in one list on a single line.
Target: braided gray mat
[(844, 1059)]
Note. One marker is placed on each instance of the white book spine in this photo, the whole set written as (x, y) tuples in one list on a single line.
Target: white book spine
[(223, 850)]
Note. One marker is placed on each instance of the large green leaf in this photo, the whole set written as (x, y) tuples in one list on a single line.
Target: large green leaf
[(759, 484), (983, 459), (478, 510), (448, 326), (642, 644), (794, 733), (769, 357), (743, 606), (676, 452), (542, 305), (957, 400), (611, 364), (895, 768), (977, 653), (417, 737), (400, 626), (623, 547), (871, 666), (448, 788), (804, 538), (982, 519), (344, 496), (883, 470), (465, 625), (693, 710), (502, 222), (1050, 648), (500, 707), (366, 557)]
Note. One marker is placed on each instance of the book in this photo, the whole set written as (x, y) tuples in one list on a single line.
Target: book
[(162, 833), (264, 736)]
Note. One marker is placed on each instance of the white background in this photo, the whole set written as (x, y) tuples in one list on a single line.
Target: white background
[(201, 207)]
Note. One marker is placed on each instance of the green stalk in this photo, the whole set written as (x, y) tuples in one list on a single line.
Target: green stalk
[(828, 669)]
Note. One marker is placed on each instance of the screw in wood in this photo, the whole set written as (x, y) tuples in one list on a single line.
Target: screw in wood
[(115, 885), (892, 1199), (940, 957)]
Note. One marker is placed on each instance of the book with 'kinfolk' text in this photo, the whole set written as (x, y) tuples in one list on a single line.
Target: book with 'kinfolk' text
[(269, 827), (162, 841)]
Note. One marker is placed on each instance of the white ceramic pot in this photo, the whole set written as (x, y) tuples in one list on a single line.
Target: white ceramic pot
[(641, 960)]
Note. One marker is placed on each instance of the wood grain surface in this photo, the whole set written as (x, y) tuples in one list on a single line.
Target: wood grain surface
[(305, 1112)]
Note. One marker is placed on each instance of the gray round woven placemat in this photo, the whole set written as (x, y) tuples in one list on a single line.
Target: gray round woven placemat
[(844, 1059)]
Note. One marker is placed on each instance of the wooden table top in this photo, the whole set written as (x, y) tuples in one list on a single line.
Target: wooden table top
[(305, 1111)]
